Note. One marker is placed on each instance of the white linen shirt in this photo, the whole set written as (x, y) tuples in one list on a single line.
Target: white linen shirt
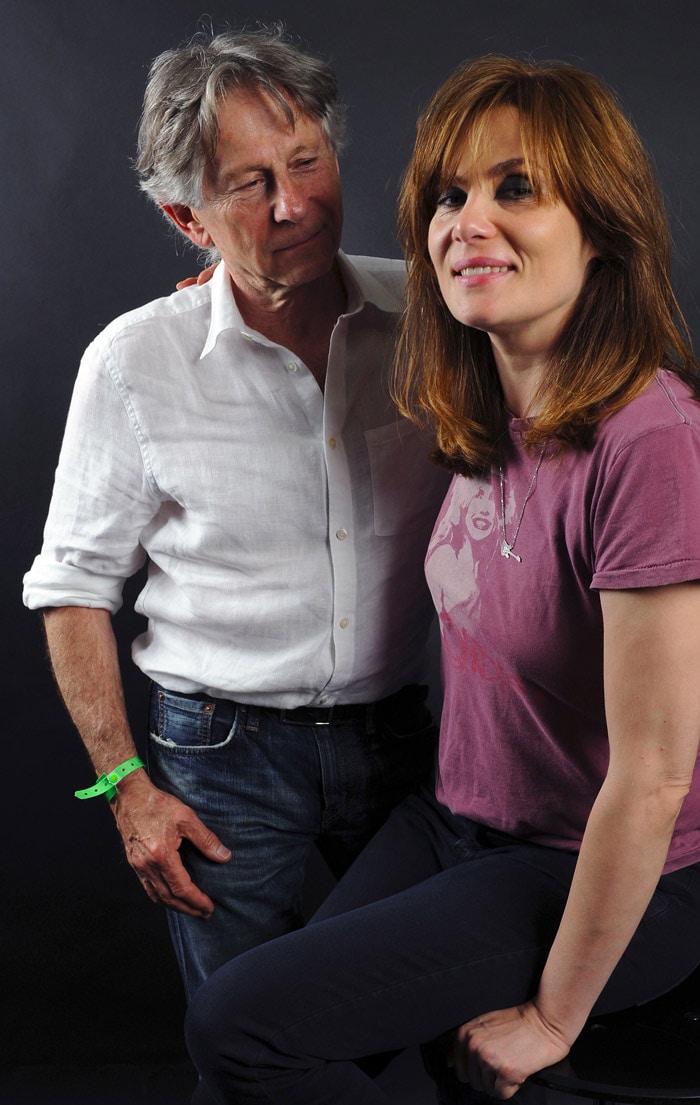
[(284, 529)]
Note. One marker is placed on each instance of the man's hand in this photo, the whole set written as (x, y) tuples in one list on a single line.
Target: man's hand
[(204, 276), (496, 1052), (153, 825)]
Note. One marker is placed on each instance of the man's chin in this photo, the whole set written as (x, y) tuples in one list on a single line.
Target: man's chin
[(305, 272)]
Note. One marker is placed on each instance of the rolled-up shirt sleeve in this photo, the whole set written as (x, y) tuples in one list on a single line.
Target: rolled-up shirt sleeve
[(103, 496)]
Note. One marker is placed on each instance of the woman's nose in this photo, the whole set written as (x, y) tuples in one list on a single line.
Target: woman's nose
[(475, 218)]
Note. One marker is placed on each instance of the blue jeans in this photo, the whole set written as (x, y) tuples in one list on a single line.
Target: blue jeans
[(438, 921), (271, 787)]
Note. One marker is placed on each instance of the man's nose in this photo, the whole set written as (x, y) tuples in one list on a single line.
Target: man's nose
[(289, 201)]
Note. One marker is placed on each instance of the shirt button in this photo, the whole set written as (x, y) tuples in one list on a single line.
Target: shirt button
[(323, 699), (292, 366), (344, 623), (332, 442), (341, 534)]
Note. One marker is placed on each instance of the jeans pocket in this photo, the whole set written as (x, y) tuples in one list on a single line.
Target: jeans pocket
[(195, 725)]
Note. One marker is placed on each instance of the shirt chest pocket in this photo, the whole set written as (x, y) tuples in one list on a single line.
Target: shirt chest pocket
[(407, 489)]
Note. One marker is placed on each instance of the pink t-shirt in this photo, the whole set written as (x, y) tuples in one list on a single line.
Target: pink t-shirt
[(523, 744)]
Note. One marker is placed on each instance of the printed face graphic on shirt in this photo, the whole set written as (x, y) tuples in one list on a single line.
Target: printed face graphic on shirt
[(464, 540), (480, 515)]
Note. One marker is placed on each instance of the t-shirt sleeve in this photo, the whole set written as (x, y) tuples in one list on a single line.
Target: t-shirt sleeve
[(646, 512)]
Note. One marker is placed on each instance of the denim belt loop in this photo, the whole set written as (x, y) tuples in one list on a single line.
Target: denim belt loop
[(249, 716)]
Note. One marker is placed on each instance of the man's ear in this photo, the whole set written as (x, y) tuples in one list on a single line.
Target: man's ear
[(186, 220)]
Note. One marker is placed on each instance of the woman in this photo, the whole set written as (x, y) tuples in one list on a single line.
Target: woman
[(557, 870)]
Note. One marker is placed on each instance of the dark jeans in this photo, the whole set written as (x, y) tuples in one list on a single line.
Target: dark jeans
[(271, 784), (466, 928)]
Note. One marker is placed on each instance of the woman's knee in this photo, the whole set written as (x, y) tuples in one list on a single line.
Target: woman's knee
[(224, 1028)]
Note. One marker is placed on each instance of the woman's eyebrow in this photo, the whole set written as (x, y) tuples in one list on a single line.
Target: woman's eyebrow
[(500, 169)]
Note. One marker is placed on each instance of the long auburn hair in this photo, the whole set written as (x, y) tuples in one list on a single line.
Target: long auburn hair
[(578, 146)]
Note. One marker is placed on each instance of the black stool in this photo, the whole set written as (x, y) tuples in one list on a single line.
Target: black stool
[(648, 1054)]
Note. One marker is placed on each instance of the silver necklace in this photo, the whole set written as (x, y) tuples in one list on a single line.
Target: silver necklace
[(506, 545)]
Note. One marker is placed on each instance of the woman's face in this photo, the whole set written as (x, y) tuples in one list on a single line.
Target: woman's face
[(506, 263), (481, 514)]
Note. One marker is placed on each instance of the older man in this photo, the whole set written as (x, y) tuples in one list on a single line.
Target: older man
[(239, 437)]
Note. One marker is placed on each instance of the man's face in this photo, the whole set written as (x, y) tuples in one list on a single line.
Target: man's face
[(272, 202)]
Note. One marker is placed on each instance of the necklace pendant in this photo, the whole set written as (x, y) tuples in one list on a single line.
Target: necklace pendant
[(507, 552)]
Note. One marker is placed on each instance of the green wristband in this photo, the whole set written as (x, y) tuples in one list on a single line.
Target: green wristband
[(107, 784)]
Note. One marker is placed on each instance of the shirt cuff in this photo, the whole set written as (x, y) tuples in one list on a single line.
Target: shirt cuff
[(49, 583)]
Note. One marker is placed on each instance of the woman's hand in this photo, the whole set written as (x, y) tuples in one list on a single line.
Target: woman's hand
[(204, 276), (496, 1052)]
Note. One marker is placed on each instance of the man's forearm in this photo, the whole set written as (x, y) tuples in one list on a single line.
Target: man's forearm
[(152, 824), (84, 657)]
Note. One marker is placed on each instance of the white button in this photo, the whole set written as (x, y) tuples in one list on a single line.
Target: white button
[(323, 699), (332, 442), (344, 623), (341, 534), (292, 366)]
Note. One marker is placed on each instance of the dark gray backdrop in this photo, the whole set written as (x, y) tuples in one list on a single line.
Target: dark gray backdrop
[(86, 968)]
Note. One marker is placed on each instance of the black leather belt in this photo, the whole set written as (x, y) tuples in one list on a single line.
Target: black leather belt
[(404, 707), (321, 715), (408, 700)]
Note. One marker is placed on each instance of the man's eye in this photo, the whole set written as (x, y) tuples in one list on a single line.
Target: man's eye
[(516, 186), (451, 197), (248, 185)]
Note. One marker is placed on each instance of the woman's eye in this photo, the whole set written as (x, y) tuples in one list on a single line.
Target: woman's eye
[(515, 187), (452, 197)]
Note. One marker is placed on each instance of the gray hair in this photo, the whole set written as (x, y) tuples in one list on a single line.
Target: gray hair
[(179, 125)]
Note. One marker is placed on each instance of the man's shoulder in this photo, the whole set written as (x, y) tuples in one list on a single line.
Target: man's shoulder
[(183, 312), (386, 272), (377, 265)]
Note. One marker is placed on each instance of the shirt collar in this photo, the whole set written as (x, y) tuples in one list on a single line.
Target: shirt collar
[(224, 309), (362, 288)]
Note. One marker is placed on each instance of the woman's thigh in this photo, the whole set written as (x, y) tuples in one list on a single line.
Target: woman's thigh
[(387, 975), (420, 838), (284, 1020)]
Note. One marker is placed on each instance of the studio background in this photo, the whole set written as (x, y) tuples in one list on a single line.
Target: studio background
[(86, 964)]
